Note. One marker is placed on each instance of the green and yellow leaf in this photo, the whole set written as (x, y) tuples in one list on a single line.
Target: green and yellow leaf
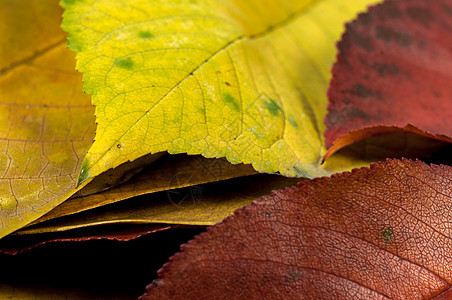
[(245, 80)]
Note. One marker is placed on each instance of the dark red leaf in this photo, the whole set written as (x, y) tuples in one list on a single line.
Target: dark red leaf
[(15, 244), (394, 68), (377, 232)]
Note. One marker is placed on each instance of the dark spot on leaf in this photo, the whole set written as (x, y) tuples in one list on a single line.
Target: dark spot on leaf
[(228, 99), (125, 63), (145, 35), (268, 214), (293, 275), (69, 2), (364, 60), (384, 69), (420, 15), (447, 9), (273, 107), (361, 41), (119, 146), (227, 83), (391, 11), (337, 117), (74, 43), (366, 19), (387, 234), (363, 91), (388, 35), (292, 122)]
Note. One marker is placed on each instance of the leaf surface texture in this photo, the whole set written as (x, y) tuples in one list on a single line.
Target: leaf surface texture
[(382, 232), (393, 74), (46, 122), (245, 80)]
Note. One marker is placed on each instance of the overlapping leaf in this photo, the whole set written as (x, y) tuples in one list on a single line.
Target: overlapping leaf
[(195, 205), (165, 175), (393, 74), (18, 243), (382, 232), (46, 122), (245, 80)]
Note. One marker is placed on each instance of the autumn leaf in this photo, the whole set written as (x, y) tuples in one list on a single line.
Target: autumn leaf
[(16, 243), (199, 205), (245, 80), (171, 173), (373, 233), (47, 123), (393, 74)]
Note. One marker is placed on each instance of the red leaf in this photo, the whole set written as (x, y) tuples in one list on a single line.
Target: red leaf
[(383, 231), (393, 69), (15, 244)]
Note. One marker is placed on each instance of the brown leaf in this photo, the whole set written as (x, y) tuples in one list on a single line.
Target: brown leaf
[(373, 233)]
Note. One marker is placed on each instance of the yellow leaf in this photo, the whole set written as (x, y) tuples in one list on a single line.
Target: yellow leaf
[(46, 122), (172, 173), (197, 205), (245, 80)]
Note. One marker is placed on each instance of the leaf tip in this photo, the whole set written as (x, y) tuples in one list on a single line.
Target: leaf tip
[(84, 172)]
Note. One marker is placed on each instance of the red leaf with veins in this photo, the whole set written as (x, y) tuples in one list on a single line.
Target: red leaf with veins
[(378, 232), (394, 68)]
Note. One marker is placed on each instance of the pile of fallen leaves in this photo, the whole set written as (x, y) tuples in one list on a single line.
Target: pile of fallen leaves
[(188, 111)]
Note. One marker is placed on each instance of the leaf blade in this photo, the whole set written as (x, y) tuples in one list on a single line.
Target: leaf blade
[(392, 70), (46, 123), (248, 114), (355, 234)]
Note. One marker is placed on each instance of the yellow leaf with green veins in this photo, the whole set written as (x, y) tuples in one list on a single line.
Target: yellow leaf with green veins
[(245, 80)]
